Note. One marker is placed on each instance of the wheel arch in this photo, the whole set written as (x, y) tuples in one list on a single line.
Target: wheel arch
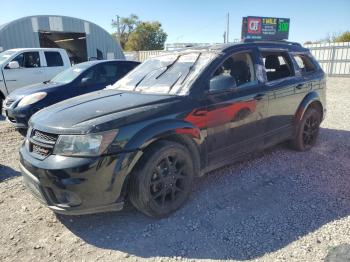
[(177, 131), (187, 142), (311, 100)]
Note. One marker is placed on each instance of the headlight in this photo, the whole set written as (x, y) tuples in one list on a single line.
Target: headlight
[(31, 99), (84, 145)]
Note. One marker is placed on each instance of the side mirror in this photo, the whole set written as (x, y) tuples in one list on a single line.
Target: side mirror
[(13, 65), (86, 81), (222, 83)]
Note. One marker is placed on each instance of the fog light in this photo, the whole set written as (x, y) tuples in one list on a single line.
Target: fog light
[(68, 198)]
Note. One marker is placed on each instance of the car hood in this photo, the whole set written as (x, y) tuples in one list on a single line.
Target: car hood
[(99, 111), (31, 89)]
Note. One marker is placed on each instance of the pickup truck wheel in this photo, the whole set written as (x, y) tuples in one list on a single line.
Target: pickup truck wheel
[(162, 181), (307, 130)]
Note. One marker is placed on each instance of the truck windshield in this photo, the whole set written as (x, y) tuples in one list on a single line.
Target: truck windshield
[(166, 74), (70, 74), (6, 55)]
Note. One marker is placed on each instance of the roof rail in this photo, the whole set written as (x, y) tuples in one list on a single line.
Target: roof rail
[(271, 41)]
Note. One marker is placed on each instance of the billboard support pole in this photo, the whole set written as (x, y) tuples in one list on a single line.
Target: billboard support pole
[(228, 28)]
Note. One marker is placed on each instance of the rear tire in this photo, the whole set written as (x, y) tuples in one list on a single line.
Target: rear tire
[(162, 180), (307, 130)]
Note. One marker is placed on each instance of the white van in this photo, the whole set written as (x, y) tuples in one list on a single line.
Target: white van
[(25, 66)]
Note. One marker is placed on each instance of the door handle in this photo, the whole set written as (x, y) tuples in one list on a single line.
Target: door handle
[(300, 86), (259, 96)]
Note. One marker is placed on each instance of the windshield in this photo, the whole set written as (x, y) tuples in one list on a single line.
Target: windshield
[(70, 74), (167, 74), (6, 55)]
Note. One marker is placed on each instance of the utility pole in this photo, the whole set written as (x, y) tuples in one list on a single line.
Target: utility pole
[(118, 27), (224, 36), (228, 28)]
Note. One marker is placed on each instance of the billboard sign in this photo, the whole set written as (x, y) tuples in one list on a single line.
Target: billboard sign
[(265, 28)]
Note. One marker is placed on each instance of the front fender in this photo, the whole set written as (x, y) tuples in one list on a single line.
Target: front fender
[(308, 99), (154, 131)]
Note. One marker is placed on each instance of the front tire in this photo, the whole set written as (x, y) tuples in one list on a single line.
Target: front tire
[(1, 101), (307, 130), (162, 180)]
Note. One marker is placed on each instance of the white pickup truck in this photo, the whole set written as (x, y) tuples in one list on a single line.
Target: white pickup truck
[(25, 66)]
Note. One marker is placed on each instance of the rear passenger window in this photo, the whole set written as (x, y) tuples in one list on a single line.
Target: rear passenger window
[(304, 63), (53, 59), (103, 74), (125, 68), (277, 65), (110, 73)]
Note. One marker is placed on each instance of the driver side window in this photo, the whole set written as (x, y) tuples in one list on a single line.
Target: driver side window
[(238, 68), (28, 60)]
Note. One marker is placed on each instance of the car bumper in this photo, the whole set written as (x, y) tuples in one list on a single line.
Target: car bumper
[(18, 118), (75, 186)]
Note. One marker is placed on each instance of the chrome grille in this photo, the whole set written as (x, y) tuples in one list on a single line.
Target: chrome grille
[(45, 137), (40, 150), (42, 143)]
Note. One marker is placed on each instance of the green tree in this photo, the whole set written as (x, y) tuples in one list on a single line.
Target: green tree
[(344, 37), (126, 26), (146, 36)]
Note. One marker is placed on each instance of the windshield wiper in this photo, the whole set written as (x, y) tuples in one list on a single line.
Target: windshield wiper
[(169, 66), (173, 84), (139, 82), (191, 68)]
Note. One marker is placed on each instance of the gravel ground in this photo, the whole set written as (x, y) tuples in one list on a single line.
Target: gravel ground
[(280, 205)]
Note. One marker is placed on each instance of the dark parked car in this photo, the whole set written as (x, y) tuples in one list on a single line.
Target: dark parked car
[(82, 78), (173, 118)]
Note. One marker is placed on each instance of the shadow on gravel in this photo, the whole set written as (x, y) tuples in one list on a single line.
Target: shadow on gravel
[(7, 173), (239, 212)]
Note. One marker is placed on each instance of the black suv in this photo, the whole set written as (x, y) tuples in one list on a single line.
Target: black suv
[(173, 118)]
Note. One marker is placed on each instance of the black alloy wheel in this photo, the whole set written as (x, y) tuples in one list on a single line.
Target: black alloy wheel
[(310, 132), (307, 130), (168, 180), (163, 179)]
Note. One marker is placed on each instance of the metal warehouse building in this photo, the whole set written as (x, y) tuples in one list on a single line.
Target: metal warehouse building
[(83, 40)]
